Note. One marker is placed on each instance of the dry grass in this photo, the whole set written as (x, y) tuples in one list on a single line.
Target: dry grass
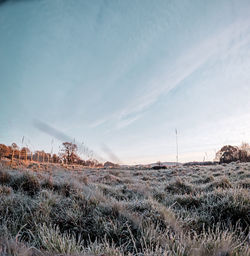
[(175, 211)]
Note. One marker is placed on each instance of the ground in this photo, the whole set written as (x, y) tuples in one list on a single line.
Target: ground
[(182, 210)]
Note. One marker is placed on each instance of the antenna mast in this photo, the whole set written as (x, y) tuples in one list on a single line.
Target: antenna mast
[(177, 153)]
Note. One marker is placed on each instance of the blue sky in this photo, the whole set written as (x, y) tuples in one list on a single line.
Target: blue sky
[(126, 74)]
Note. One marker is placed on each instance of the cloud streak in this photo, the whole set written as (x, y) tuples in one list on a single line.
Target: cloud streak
[(169, 78), (185, 66)]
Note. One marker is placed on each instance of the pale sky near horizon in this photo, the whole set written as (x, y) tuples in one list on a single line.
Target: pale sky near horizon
[(126, 74)]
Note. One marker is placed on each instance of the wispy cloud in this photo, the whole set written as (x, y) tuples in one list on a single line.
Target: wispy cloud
[(232, 37), (98, 122), (127, 121), (218, 46)]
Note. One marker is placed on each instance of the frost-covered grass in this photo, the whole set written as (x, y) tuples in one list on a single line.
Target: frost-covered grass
[(175, 211)]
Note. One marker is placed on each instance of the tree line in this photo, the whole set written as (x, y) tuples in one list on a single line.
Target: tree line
[(67, 155)]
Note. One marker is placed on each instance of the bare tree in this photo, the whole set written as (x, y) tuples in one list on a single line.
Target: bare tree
[(69, 152)]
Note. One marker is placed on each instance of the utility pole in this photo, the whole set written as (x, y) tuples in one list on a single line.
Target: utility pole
[(177, 153)]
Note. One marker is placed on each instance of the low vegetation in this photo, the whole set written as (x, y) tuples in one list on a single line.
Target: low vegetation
[(194, 210)]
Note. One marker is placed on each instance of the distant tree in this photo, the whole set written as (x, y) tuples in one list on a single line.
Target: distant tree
[(36, 156), (15, 151), (4, 151), (95, 162), (230, 153), (9, 152), (81, 162), (43, 155), (245, 147), (14, 148), (99, 165), (48, 157), (89, 163), (24, 153), (69, 152), (243, 155), (55, 158)]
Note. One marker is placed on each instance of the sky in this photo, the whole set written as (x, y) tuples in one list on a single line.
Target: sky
[(121, 76)]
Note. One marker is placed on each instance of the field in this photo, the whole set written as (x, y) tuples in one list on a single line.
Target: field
[(195, 210)]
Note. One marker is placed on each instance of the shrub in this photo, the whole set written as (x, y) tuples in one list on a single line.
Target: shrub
[(205, 180), (64, 188), (223, 183), (5, 177), (47, 184), (188, 201), (84, 180), (26, 182), (5, 190), (179, 187)]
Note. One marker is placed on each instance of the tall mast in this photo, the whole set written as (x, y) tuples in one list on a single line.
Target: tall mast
[(177, 153)]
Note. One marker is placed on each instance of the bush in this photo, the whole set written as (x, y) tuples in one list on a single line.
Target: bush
[(5, 190), (179, 187), (223, 183), (27, 183), (5, 177)]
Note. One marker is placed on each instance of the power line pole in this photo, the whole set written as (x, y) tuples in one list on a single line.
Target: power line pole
[(177, 153)]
